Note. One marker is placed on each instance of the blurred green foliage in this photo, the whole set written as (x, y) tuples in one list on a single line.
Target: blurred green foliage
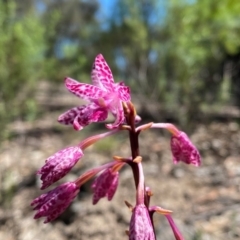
[(21, 59), (202, 34), (183, 60), (71, 29), (180, 55)]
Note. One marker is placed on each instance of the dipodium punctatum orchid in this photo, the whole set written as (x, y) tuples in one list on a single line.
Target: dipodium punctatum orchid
[(141, 227), (105, 185), (54, 202), (105, 96), (183, 150), (58, 165)]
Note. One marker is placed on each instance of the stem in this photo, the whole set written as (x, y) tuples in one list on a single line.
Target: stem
[(117, 166), (130, 114), (91, 140), (176, 232), (133, 138), (91, 173), (140, 189), (170, 127)]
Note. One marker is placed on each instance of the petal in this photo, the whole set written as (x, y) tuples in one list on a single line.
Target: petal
[(99, 187), (141, 227), (58, 165), (83, 90), (68, 117), (118, 113), (102, 75), (82, 116), (105, 185), (123, 92), (184, 150), (91, 113), (54, 202), (112, 189)]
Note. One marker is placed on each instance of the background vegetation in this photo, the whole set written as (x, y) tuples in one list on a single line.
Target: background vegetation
[(180, 57)]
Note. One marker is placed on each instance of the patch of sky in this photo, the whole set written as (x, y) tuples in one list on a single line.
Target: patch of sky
[(108, 7), (65, 48), (104, 13), (40, 5), (159, 13), (152, 56), (191, 1), (120, 60)]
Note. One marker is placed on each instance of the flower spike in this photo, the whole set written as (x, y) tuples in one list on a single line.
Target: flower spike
[(104, 96)]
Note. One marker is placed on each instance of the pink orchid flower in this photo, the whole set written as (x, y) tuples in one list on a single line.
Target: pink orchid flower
[(184, 150), (141, 227), (105, 185), (58, 165), (54, 202), (103, 95)]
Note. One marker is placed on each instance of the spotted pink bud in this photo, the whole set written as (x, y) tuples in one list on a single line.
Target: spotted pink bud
[(54, 202), (58, 165), (184, 150), (141, 227), (105, 185)]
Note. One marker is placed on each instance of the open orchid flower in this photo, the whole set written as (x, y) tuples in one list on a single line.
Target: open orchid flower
[(104, 96)]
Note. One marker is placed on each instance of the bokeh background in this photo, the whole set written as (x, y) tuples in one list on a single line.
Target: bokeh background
[(181, 59)]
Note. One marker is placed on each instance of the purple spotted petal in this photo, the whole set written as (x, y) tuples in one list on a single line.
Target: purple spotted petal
[(54, 202), (102, 75), (113, 187), (140, 225), (123, 92), (58, 165), (68, 117), (82, 116), (83, 90), (118, 113), (105, 185), (95, 115), (184, 150)]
